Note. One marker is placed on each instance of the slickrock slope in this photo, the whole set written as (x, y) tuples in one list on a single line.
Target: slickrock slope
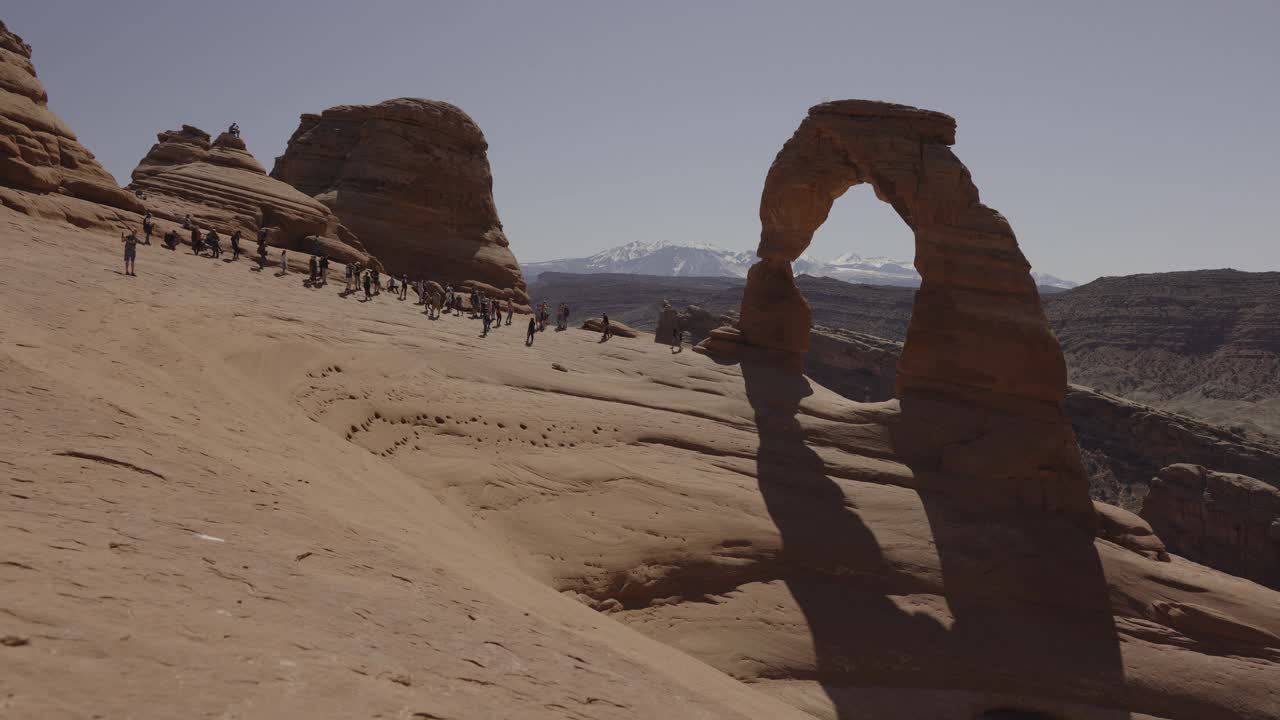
[(328, 508), (1205, 343), (178, 537), (221, 185), (411, 178), (1229, 521), (44, 170)]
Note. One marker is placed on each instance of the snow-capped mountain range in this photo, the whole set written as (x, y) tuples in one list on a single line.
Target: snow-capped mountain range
[(701, 260)]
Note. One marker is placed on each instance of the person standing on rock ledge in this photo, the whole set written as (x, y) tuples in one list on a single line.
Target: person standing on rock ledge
[(284, 262), (148, 225), (130, 252), (533, 330), (235, 245)]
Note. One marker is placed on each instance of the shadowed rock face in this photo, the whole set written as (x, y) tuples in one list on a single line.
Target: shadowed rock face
[(1227, 521), (222, 186), (981, 377), (38, 152), (411, 178)]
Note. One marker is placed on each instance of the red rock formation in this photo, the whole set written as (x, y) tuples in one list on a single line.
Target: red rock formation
[(694, 322), (411, 178), (1229, 522), (616, 328), (220, 185), (981, 378), (40, 155)]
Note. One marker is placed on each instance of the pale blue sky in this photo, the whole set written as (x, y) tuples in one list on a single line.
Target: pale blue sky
[(1117, 137)]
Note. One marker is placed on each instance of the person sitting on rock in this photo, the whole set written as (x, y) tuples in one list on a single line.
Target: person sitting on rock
[(186, 222), (171, 239)]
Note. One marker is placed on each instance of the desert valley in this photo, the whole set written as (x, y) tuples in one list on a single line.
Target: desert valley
[(233, 488)]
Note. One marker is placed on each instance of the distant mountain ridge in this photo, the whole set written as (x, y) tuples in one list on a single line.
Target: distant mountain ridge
[(665, 259)]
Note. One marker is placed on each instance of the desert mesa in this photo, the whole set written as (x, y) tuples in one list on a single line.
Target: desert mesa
[(238, 487)]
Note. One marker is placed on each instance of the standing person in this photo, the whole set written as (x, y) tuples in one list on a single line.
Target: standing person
[(196, 242), (608, 331), (313, 273), (214, 242), (130, 252), (148, 224), (677, 339), (349, 271), (404, 286), (485, 319), (324, 269), (262, 255), (235, 245), (533, 328), (284, 262), (262, 235), (368, 287), (510, 311)]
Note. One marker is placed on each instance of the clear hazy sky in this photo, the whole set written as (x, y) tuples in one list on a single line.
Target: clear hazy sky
[(1117, 137)]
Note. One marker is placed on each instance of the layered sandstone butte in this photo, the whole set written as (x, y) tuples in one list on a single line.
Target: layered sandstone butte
[(40, 155), (411, 178), (1204, 342), (1227, 521), (981, 377), (221, 186)]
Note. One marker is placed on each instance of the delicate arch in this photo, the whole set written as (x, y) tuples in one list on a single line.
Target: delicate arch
[(981, 378)]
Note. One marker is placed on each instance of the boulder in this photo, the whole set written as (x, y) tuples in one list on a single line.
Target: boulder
[(619, 330), (981, 378), (1223, 520), (411, 178), (220, 185), (40, 155), (695, 322)]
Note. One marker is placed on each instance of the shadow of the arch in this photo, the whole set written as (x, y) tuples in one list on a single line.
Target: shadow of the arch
[(1012, 612), (1017, 620)]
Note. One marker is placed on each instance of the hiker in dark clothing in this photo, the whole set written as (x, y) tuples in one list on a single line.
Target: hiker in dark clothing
[(488, 321), (214, 243), (608, 331), (148, 224), (368, 287), (196, 241), (533, 329), (324, 269), (130, 252), (171, 239), (262, 255), (235, 245), (234, 130)]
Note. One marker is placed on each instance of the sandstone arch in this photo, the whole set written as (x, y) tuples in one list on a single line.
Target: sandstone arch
[(982, 377)]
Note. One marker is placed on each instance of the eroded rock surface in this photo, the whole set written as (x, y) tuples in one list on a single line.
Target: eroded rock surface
[(1227, 521), (41, 156), (220, 185), (693, 322), (411, 178)]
